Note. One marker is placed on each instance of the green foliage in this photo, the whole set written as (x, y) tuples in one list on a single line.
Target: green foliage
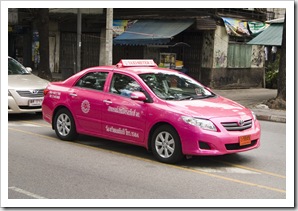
[(272, 73)]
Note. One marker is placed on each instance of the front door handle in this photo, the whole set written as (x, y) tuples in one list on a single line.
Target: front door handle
[(107, 101), (73, 94)]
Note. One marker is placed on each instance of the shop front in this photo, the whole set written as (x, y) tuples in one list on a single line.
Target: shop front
[(171, 44)]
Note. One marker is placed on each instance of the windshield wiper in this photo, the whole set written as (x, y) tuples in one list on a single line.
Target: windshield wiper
[(195, 97), (170, 98), (186, 98), (205, 96)]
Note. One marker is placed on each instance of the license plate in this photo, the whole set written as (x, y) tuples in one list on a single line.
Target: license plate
[(35, 102), (244, 140)]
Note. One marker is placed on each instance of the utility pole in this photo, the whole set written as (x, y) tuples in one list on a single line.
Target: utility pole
[(79, 38), (109, 37)]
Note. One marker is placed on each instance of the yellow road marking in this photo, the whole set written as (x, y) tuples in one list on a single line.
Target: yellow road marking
[(251, 169), (159, 163), (224, 162), (34, 123), (231, 179)]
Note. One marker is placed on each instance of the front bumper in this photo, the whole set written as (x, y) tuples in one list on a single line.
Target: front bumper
[(21, 105), (196, 141)]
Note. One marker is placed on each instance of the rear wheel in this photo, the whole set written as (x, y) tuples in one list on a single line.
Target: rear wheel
[(166, 145), (64, 125)]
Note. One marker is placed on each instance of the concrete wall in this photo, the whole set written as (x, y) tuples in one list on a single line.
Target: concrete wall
[(221, 43), (214, 64), (208, 49), (257, 56), (277, 13), (237, 78)]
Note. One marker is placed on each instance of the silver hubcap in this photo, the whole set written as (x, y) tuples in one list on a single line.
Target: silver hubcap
[(164, 144), (63, 124)]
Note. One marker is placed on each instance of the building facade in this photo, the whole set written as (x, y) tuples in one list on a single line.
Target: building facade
[(209, 53)]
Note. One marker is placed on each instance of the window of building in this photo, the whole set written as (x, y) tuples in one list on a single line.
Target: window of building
[(239, 55)]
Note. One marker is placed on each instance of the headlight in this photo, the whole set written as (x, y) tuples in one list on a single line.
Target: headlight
[(254, 115), (202, 123)]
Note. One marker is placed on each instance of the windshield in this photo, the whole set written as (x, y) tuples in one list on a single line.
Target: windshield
[(175, 86), (15, 68)]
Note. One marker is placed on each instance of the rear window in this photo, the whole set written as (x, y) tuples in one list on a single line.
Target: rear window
[(16, 68), (93, 80)]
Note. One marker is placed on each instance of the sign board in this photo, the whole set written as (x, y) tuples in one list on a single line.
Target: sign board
[(136, 63)]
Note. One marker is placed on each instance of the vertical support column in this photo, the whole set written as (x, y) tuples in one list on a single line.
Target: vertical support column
[(102, 50), (109, 37), (79, 37)]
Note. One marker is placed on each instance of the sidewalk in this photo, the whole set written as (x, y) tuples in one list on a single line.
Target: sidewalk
[(253, 99)]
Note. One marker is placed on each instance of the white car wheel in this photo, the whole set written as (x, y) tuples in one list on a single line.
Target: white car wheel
[(166, 145), (64, 125)]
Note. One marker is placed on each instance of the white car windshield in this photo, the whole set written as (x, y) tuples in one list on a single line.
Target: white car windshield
[(175, 86), (15, 68)]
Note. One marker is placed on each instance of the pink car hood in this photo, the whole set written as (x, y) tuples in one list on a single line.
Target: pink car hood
[(210, 107)]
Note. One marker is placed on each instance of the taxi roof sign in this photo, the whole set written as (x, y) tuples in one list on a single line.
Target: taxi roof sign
[(136, 63)]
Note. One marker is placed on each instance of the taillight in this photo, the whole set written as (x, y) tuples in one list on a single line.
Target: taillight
[(45, 92)]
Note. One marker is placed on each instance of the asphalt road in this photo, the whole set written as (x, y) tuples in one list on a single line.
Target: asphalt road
[(40, 166)]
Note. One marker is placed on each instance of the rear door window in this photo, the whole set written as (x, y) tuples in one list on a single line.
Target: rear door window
[(93, 80)]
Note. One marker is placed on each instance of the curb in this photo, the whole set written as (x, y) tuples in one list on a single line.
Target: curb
[(272, 115), (271, 118)]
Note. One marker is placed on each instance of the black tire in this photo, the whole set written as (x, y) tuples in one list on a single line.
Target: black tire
[(166, 145), (64, 125)]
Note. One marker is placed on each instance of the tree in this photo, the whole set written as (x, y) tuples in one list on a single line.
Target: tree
[(41, 16), (281, 90), (280, 101)]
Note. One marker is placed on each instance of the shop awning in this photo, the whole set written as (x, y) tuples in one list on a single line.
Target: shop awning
[(152, 32), (272, 36)]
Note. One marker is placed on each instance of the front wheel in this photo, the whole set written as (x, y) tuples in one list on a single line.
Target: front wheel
[(64, 125), (166, 145)]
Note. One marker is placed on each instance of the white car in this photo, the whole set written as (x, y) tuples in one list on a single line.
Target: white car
[(25, 90)]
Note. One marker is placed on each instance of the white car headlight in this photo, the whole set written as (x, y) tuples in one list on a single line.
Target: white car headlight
[(202, 123), (254, 115)]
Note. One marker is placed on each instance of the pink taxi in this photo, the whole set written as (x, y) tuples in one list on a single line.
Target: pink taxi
[(163, 110)]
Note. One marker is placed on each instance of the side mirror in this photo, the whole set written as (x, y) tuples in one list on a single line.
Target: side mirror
[(29, 69), (140, 96)]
